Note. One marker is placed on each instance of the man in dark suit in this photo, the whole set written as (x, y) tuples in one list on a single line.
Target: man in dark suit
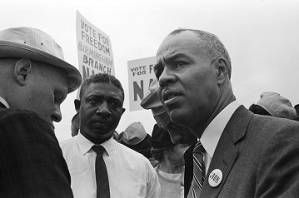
[(34, 80), (238, 154)]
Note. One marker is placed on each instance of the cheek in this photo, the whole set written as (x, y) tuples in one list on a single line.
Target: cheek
[(41, 101), (116, 117), (201, 89), (86, 114)]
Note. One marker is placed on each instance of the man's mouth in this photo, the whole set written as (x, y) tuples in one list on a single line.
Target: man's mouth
[(168, 96)]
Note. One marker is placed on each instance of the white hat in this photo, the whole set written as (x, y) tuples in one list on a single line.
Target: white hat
[(133, 134), (277, 105), (32, 43)]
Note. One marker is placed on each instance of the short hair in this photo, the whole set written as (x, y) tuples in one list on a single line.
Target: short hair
[(101, 78), (213, 46)]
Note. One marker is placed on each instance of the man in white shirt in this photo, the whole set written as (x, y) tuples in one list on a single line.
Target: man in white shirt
[(238, 154), (129, 173)]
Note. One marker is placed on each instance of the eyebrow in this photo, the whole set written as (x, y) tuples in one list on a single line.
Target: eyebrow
[(171, 57), (163, 60), (114, 97)]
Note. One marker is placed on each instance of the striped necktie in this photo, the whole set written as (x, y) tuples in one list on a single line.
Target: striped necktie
[(103, 190), (198, 170)]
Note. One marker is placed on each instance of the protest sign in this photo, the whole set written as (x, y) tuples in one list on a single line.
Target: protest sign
[(140, 75), (94, 49)]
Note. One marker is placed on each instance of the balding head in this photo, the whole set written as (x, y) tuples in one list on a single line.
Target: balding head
[(211, 44), (194, 72)]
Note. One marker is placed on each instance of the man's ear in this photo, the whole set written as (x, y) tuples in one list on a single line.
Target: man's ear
[(77, 103), (21, 71), (221, 70)]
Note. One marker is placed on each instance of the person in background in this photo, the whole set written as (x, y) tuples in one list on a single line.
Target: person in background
[(273, 104), (178, 134), (98, 164), (34, 81), (170, 166), (136, 138), (297, 112), (153, 101), (239, 154)]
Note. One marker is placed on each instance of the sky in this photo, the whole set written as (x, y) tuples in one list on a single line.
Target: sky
[(261, 36)]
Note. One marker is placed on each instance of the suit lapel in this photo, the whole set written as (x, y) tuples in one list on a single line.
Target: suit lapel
[(226, 152)]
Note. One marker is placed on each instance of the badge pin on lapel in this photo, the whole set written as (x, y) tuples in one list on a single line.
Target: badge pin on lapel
[(215, 178)]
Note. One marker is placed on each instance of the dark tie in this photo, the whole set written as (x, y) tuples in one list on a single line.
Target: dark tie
[(198, 170), (101, 173), (2, 105)]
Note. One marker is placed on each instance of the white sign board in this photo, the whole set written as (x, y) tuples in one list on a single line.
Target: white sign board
[(94, 49), (141, 74)]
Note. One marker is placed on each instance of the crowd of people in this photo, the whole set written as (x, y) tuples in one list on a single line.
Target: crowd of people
[(205, 143)]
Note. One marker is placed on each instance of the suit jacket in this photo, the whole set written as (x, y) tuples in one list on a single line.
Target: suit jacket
[(31, 161), (258, 157)]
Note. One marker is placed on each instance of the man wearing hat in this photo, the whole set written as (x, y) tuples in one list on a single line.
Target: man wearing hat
[(273, 104), (136, 138), (170, 166), (178, 133), (239, 154), (34, 81)]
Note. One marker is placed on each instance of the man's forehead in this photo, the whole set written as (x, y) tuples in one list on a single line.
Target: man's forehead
[(102, 88), (185, 40)]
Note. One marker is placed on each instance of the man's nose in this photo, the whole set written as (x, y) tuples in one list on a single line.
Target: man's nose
[(103, 109), (56, 116), (165, 77)]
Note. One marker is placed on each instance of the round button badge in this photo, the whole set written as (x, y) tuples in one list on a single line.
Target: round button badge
[(215, 178)]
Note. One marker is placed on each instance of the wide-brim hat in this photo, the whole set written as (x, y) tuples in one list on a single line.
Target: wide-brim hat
[(34, 44), (152, 101)]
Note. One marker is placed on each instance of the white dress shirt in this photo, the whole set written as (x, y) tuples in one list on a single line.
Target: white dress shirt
[(130, 174), (213, 132)]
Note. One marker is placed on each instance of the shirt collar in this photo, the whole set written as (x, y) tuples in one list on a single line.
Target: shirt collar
[(213, 132), (85, 144), (3, 101)]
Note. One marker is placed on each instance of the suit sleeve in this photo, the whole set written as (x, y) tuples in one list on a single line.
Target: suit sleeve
[(278, 170), (32, 164)]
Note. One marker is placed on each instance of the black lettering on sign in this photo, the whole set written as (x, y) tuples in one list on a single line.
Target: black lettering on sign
[(87, 72), (151, 68), (150, 81), (139, 70), (94, 64), (88, 29), (138, 90)]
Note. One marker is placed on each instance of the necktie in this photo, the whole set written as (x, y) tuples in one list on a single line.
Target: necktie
[(101, 173), (2, 105), (198, 170)]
